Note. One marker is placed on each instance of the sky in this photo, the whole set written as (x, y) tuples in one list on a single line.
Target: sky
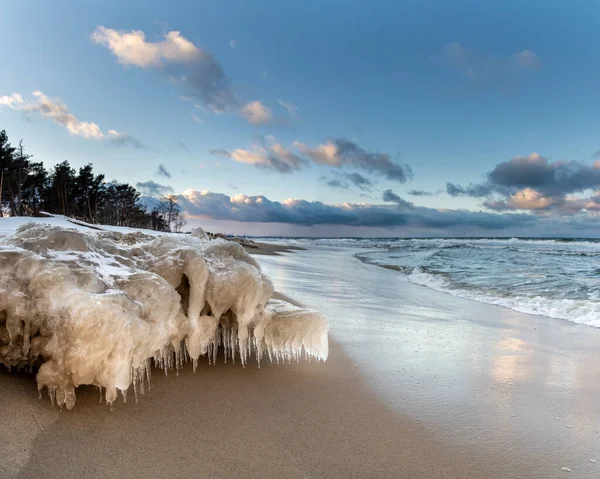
[(353, 118)]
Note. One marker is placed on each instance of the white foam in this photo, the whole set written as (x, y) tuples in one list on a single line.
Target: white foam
[(578, 311)]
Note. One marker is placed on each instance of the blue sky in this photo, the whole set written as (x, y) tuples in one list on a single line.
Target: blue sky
[(449, 89)]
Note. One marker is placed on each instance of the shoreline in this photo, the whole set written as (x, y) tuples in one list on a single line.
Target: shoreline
[(269, 249), (518, 392), (418, 383)]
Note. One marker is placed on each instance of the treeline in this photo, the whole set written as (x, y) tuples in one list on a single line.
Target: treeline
[(28, 189)]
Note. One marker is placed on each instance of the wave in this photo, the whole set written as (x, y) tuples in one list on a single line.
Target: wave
[(577, 311), (581, 311)]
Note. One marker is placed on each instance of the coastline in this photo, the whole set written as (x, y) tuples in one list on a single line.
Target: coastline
[(518, 392), (417, 384)]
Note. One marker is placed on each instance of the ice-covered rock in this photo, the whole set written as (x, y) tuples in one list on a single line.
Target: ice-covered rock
[(97, 308)]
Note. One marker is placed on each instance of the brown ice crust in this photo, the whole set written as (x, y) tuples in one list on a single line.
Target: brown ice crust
[(97, 308)]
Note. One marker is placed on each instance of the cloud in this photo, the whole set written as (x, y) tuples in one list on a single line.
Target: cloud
[(290, 107), (343, 185), (359, 180), (300, 212), (59, 114), (476, 191), (196, 119), (265, 154), (534, 183), (233, 43), (486, 70), (183, 62), (342, 152), (256, 113), (536, 172), (123, 139), (390, 197), (356, 179), (162, 171), (131, 47), (420, 193), (220, 152), (183, 146), (335, 153), (150, 188)]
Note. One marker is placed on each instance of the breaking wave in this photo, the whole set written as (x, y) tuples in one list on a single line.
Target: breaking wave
[(555, 278)]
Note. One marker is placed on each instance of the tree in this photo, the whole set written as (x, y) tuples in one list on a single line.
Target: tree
[(21, 167), (60, 195), (87, 189), (26, 187), (169, 209), (179, 222), (6, 158)]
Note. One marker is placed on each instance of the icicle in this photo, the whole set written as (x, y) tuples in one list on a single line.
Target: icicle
[(148, 372)]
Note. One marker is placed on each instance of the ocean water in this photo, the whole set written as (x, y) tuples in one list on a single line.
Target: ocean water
[(549, 277)]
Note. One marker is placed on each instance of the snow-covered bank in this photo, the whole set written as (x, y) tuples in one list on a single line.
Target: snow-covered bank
[(95, 307)]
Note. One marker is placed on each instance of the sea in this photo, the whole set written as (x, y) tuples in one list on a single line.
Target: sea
[(558, 278)]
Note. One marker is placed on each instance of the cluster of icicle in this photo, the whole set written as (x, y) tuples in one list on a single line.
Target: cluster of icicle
[(97, 308)]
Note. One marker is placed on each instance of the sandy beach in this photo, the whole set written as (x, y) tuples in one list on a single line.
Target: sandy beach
[(417, 384)]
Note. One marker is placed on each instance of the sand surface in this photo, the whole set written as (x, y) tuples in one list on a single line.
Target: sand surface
[(418, 384), (270, 249), (293, 420)]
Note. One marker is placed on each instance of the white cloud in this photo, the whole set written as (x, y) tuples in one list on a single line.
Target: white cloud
[(290, 107), (326, 154), (196, 119), (270, 154), (192, 67), (131, 47), (233, 43), (256, 113), (59, 114)]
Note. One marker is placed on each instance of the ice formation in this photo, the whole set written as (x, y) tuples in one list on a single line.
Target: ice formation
[(97, 308)]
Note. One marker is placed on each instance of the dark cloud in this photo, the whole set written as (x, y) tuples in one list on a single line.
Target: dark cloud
[(123, 139), (536, 172), (150, 188), (349, 153), (268, 153), (534, 183), (205, 80), (359, 180), (356, 179), (162, 171), (300, 212), (220, 152), (183, 146), (420, 193), (477, 191), (337, 184), (390, 197)]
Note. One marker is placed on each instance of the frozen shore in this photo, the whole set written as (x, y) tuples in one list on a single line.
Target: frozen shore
[(417, 384)]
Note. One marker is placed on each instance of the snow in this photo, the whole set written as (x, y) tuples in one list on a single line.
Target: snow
[(91, 306)]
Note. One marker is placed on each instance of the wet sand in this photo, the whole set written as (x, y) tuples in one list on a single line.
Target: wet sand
[(269, 249)]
